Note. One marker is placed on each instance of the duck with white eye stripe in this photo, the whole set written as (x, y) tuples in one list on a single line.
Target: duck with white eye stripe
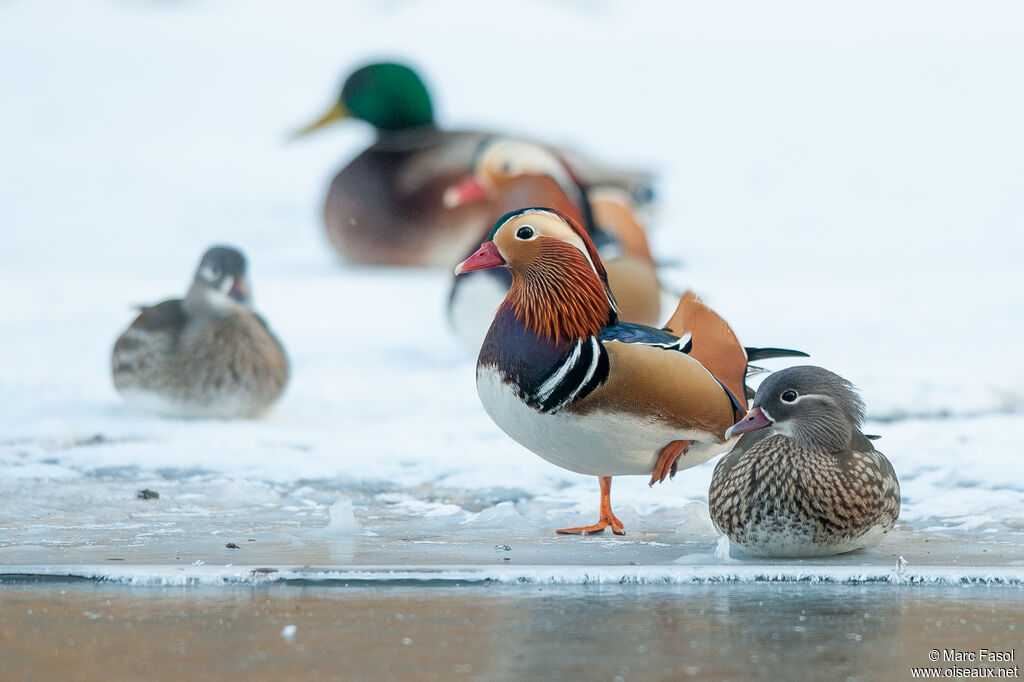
[(563, 377), (513, 173), (803, 480), (207, 355)]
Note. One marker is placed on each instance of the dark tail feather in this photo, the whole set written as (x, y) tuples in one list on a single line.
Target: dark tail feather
[(762, 353), (754, 370)]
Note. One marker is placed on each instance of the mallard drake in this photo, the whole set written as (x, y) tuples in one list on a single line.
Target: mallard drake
[(803, 480), (385, 206), (563, 377), (513, 173), (207, 355)]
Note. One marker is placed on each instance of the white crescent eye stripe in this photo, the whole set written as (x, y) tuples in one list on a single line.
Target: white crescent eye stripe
[(576, 241), (811, 396)]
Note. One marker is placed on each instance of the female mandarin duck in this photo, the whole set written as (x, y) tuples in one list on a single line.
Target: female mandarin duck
[(207, 355), (562, 376), (514, 173), (804, 480), (385, 207)]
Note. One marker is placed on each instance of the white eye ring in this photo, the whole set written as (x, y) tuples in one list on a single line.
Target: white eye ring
[(793, 395), (526, 233)]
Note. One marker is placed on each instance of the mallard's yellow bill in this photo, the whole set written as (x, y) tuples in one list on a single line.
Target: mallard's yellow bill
[(336, 113)]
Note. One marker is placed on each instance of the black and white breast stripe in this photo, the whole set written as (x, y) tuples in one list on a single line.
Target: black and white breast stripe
[(584, 368)]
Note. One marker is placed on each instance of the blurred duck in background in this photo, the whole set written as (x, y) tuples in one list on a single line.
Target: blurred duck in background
[(385, 207), (509, 174), (207, 355)]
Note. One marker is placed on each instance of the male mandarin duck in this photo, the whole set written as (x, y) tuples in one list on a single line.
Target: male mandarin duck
[(803, 480), (207, 355), (563, 377), (385, 207), (514, 173)]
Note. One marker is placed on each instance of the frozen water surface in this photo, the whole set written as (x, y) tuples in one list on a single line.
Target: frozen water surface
[(767, 632), (846, 185)]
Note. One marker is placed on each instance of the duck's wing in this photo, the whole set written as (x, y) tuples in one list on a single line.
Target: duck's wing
[(630, 332), (863, 459), (714, 344), (613, 212), (639, 184), (166, 317), (154, 332), (661, 382)]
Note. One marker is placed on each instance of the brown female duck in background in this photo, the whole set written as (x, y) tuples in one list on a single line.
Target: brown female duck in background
[(207, 355)]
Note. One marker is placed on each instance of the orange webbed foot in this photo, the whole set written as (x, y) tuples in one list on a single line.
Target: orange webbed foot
[(598, 527), (668, 460), (607, 519)]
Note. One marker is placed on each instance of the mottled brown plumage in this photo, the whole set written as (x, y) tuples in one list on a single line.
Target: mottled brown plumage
[(803, 480), (207, 355)]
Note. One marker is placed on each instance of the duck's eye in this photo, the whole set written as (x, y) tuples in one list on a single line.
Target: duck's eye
[(505, 167), (789, 396), (525, 232), (210, 273)]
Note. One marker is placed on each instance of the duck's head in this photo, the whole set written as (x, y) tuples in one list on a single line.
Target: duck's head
[(499, 162), (386, 95), (220, 279), (559, 285), (815, 407)]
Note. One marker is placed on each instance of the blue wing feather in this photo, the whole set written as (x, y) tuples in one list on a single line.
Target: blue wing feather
[(629, 332)]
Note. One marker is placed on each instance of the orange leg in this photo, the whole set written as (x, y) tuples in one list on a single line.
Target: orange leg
[(607, 517), (668, 460)]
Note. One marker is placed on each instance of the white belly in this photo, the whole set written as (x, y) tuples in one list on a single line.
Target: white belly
[(791, 540), (226, 407), (597, 443)]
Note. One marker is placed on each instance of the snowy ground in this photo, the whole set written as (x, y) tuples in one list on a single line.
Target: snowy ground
[(845, 184)]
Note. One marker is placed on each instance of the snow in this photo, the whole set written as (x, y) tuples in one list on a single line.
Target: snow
[(843, 181)]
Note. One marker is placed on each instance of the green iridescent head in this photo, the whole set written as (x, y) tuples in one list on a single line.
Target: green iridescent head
[(387, 96)]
